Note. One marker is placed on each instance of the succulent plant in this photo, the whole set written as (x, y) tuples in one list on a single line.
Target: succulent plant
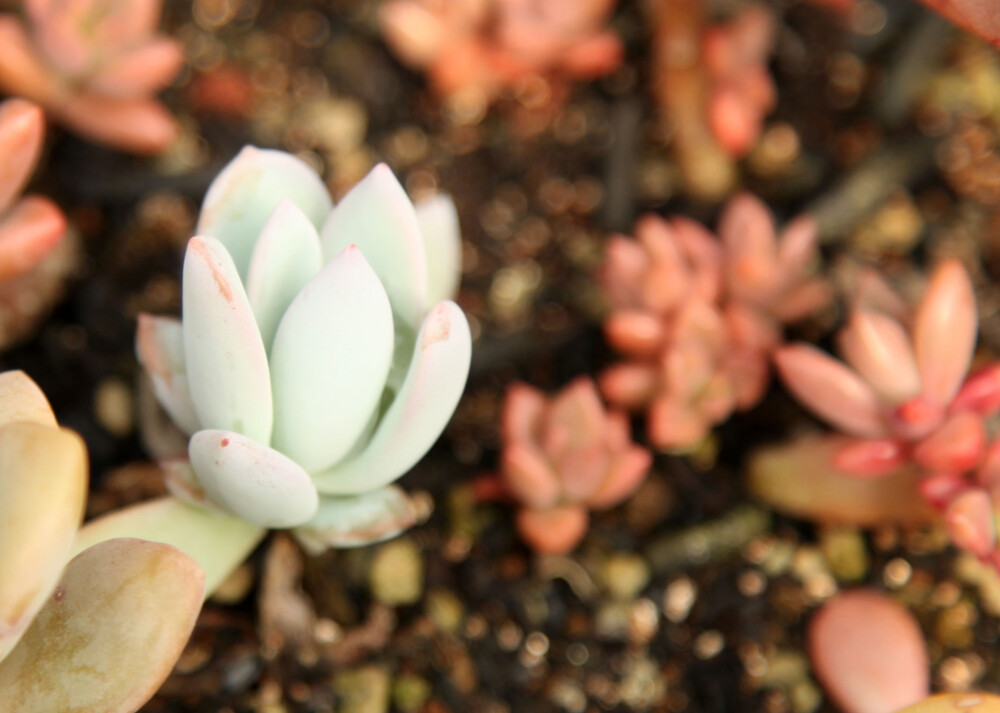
[(742, 90), (562, 458), (30, 227), (94, 65), (907, 397), (96, 635), (869, 653), (472, 50), (697, 318), (966, 701), (316, 361)]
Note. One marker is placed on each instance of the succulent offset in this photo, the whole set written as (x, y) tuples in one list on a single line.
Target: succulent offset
[(907, 398), (94, 65), (318, 357), (697, 318), (562, 458), (96, 635)]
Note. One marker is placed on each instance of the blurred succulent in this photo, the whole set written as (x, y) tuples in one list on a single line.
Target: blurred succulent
[(316, 361), (869, 653), (473, 50), (562, 458), (94, 65), (979, 16), (741, 88), (97, 635), (30, 227), (906, 397), (697, 318)]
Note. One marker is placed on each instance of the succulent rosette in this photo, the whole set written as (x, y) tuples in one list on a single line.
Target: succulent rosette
[(316, 359)]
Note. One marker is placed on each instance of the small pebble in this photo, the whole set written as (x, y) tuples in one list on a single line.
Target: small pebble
[(397, 573)]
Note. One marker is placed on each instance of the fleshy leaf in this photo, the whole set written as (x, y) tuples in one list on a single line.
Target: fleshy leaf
[(800, 480), (869, 653), (43, 487), (329, 362), (110, 634), (159, 344), (357, 520), (22, 400), (378, 217), (219, 542), (286, 257), (442, 236), (965, 702), (226, 363), (142, 70), (28, 233), (879, 349), (252, 481), (246, 192), (22, 126), (420, 411), (554, 530)]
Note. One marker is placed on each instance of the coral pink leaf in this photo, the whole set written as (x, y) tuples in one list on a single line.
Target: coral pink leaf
[(879, 349), (957, 446), (22, 72), (634, 333), (579, 410), (803, 300), (144, 70), (747, 231), (980, 16), (868, 652), (971, 522), (735, 123), (831, 390), (988, 473), (873, 293), (980, 392), (626, 473), (674, 426), (939, 489), (22, 127), (528, 476), (413, 31), (142, 126), (871, 458), (553, 531), (944, 331), (797, 245), (630, 385), (594, 56), (28, 233), (582, 470), (523, 406)]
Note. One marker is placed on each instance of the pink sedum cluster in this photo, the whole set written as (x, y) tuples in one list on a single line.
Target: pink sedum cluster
[(482, 47), (698, 317), (30, 227), (741, 91), (562, 458), (95, 66), (905, 396)]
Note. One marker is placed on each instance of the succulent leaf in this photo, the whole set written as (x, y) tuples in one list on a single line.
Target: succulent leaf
[(219, 542), (287, 256), (159, 344), (22, 400), (246, 192), (226, 363), (43, 487), (22, 127), (419, 412), (378, 217), (109, 635), (439, 228), (356, 520), (329, 362)]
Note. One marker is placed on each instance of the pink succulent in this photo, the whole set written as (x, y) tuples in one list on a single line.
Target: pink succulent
[(483, 47), (563, 457), (698, 317), (94, 65), (905, 396), (741, 88), (30, 227)]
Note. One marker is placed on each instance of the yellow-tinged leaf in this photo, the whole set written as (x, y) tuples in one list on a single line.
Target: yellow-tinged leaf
[(22, 400)]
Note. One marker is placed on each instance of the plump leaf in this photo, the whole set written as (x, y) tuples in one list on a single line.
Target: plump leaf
[(226, 362), (442, 236), (286, 257), (329, 362), (246, 192), (159, 344), (252, 481), (965, 702), (110, 633), (219, 542), (419, 412), (353, 521), (43, 487), (22, 127), (981, 16), (22, 400), (378, 217)]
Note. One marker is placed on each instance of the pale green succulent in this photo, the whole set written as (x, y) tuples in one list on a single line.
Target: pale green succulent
[(96, 635), (317, 358)]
